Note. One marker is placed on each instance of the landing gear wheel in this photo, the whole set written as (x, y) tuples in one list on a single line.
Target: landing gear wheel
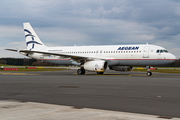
[(149, 73), (100, 72), (81, 71)]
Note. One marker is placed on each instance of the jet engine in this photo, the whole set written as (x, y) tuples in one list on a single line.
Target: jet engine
[(97, 66), (121, 68)]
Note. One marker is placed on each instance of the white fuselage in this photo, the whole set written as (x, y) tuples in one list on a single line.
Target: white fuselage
[(116, 55)]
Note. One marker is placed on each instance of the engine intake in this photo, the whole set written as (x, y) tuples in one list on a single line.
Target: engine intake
[(97, 66)]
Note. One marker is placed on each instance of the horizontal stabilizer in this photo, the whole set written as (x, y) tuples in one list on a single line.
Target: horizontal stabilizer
[(14, 50)]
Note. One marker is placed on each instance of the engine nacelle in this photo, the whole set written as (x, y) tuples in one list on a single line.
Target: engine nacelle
[(97, 66), (121, 68)]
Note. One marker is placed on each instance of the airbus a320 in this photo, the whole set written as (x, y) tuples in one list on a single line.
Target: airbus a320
[(96, 58)]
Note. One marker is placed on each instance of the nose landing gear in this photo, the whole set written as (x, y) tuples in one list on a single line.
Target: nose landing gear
[(149, 73)]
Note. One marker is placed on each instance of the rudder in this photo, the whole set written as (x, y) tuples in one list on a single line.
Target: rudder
[(32, 39)]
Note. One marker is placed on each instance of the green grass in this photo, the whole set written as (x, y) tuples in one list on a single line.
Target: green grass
[(58, 69), (26, 65), (160, 70), (5, 65), (35, 70)]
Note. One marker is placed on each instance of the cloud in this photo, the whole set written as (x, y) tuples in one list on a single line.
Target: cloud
[(91, 22), (62, 36)]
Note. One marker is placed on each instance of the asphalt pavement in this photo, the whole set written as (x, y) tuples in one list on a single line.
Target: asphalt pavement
[(132, 92)]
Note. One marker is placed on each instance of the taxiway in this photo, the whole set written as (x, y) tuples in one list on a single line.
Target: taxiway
[(118, 91)]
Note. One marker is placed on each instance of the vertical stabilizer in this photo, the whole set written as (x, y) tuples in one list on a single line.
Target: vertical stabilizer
[(33, 42)]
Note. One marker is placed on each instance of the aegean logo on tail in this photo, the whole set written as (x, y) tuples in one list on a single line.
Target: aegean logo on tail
[(32, 36)]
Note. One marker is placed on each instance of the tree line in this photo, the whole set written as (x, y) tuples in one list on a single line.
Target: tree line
[(34, 62)]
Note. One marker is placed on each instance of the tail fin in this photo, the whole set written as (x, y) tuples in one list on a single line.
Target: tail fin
[(32, 39)]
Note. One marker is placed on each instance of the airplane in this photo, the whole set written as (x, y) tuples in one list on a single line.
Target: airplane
[(96, 58)]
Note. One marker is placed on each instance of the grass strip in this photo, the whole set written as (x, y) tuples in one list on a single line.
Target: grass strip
[(160, 70), (5, 65), (34, 70)]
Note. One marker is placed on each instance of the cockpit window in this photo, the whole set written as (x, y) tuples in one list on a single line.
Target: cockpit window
[(165, 51), (161, 51)]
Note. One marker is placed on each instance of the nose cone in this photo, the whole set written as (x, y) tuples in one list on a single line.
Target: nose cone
[(172, 58)]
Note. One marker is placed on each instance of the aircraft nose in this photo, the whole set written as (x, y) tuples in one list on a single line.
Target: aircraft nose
[(172, 58)]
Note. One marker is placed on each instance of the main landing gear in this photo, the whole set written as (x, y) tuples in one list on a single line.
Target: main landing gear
[(81, 71), (100, 73), (149, 73)]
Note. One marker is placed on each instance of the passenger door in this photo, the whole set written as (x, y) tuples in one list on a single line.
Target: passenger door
[(146, 52)]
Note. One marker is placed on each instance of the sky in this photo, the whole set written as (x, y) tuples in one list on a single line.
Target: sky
[(91, 22)]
